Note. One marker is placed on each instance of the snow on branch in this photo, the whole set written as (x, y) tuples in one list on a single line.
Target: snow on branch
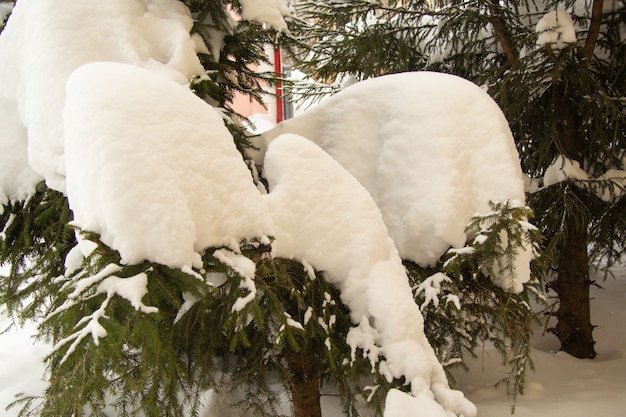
[(503, 242), (268, 12), (325, 216), (556, 29), (244, 267), (132, 289), (431, 149), (608, 186), (431, 287)]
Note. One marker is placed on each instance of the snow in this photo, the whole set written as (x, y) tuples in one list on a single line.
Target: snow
[(562, 169), (43, 43), (21, 363), (431, 287), (399, 166), (140, 177), (269, 12), (244, 267), (432, 149), (17, 179), (561, 386), (131, 288), (323, 215), (615, 190), (5, 9), (556, 28), (608, 186)]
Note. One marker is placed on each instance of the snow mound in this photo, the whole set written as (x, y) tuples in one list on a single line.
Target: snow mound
[(17, 179), (432, 149), (160, 180), (562, 169), (43, 43), (269, 12), (556, 29), (324, 217)]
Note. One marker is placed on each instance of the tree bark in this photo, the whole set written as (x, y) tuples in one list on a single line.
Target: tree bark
[(304, 384), (573, 328), (501, 31), (594, 29)]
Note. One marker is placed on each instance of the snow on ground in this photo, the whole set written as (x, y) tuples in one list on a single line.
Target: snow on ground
[(561, 386)]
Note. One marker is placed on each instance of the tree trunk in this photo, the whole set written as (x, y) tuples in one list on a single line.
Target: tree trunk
[(304, 384), (573, 328)]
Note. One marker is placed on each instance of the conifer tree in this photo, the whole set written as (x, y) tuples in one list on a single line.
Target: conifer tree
[(187, 335), (564, 101)]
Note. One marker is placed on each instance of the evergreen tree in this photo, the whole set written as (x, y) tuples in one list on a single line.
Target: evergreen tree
[(155, 360), (187, 335), (564, 101)]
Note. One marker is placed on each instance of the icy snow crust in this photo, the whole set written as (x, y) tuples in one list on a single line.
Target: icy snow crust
[(432, 149)]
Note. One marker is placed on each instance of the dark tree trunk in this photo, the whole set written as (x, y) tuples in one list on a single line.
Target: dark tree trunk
[(304, 384), (573, 328)]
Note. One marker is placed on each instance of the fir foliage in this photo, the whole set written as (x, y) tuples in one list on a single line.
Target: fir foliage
[(567, 102), (192, 330), (464, 310)]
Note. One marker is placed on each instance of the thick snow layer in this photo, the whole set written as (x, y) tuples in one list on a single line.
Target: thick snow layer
[(556, 28), (562, 169), (269, 12), (43, 43), (432, 149), (17, 179), (160, 179), (323, 216)]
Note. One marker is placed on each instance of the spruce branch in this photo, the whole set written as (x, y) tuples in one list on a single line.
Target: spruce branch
[(594, 30), (501, 31)]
